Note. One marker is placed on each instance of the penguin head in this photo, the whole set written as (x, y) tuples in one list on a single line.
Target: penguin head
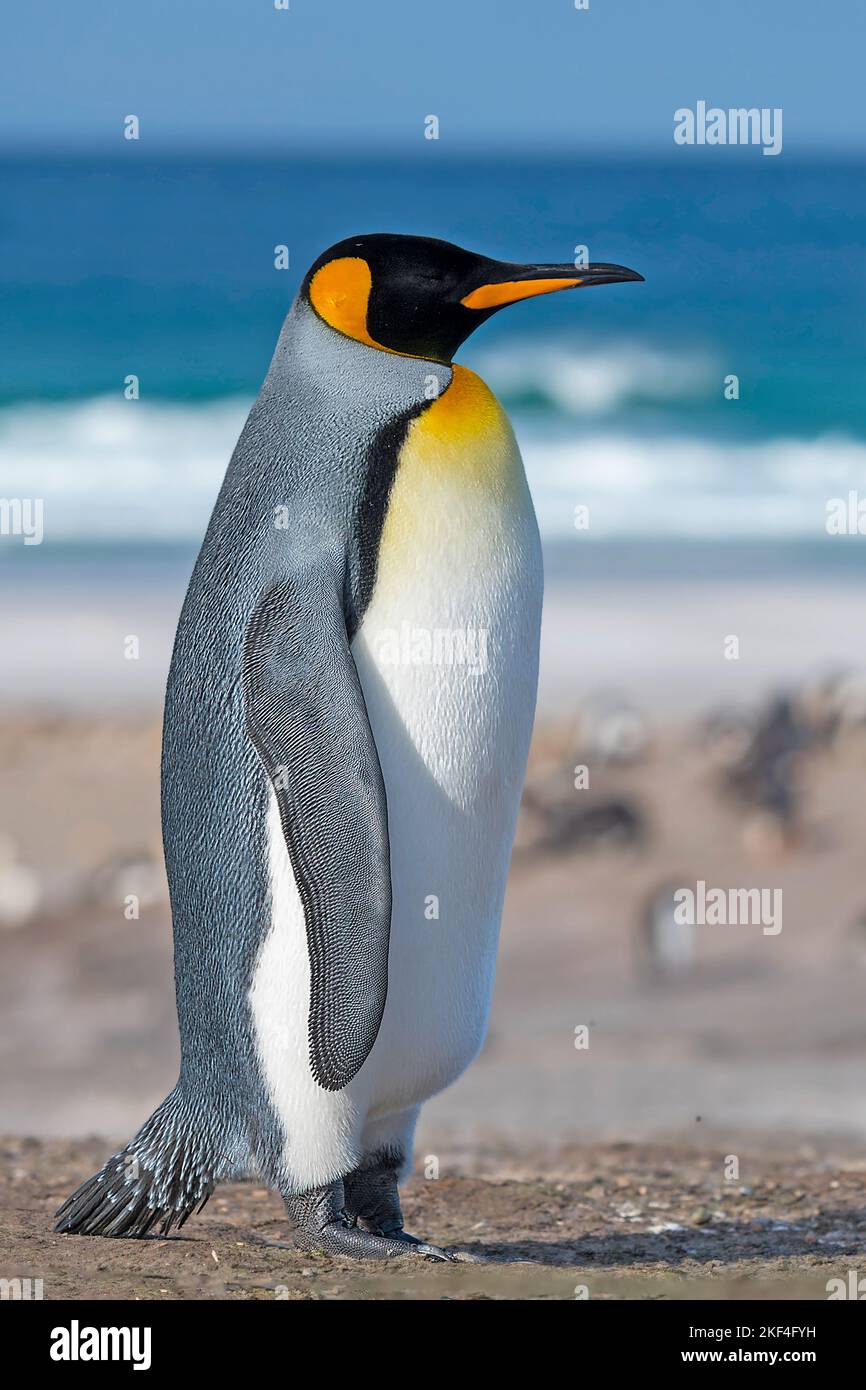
[(421, 297)]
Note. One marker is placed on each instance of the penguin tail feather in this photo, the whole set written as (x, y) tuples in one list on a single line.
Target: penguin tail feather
[(164, 1174)]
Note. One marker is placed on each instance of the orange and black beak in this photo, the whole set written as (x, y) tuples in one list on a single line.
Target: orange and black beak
[(527, 281), (489, 285)]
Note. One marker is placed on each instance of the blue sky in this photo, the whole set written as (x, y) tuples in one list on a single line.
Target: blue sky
[(499, 74)]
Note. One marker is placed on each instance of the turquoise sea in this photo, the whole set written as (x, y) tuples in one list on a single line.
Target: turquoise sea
[(164, 268)]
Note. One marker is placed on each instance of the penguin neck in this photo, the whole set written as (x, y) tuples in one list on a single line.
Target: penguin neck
[(347, 371)]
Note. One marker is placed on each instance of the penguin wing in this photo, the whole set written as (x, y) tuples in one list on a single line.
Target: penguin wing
[(307, 719)]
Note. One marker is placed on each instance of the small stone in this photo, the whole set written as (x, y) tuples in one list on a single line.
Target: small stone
[(20, 892), (629, 1212)]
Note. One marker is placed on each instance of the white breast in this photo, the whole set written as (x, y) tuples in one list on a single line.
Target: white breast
[(448, 659), (447, 656)]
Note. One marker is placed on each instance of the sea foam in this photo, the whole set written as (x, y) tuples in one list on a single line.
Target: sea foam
[(112, 469)]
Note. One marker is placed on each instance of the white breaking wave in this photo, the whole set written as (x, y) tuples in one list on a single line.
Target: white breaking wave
[(111, 469), (689, 487), (591, 378)]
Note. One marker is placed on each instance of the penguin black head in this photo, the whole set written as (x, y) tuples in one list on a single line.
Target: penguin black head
[(422, 297)]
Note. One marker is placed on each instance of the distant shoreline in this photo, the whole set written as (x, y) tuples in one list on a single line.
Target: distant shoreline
[(823, 559), (646, 618)]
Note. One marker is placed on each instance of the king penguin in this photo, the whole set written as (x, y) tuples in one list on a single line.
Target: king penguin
[(347, 722)]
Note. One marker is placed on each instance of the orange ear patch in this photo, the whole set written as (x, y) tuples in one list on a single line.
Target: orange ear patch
[(510, 291), (340, 293)]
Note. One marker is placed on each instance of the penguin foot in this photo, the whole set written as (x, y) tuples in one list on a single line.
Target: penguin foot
[(340, 1238), (321, 1222), (372, 1202), (412, 1245)]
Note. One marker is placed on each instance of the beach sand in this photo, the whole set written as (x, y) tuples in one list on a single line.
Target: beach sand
[(762, 1032), (608, 1222), (752, 1048)]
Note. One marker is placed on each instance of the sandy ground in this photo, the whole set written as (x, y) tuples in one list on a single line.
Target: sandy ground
[(752, 1050), (656, 1223), (760, 1034)]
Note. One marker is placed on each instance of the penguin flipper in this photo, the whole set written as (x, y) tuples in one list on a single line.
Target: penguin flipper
[(307, 719)]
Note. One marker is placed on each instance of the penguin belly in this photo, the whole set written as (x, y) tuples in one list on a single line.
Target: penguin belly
[(447, 655)]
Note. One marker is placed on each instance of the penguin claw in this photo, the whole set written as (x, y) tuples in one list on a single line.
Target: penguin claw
[(416, 1246), (321, 1222), (442, 1253), (343, 1239), (434, 1252)]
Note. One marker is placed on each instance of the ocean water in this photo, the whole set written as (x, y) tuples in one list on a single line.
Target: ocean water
[(164, 268)]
